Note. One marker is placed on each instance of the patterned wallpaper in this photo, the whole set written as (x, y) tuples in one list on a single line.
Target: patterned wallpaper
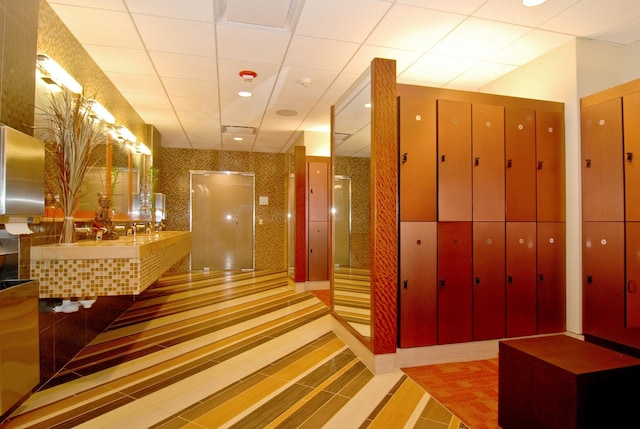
[(270, 180), (358, 170)]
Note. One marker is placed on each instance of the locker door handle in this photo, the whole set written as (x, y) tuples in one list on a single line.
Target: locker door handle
[(588, 163), (629, 156), (510, 279), (310, 250), (311, 191), (443, 158), (404, 157), (442, 283), (477, 161), (477, 281), (589, 280), (509, 163), (631, 286), (540, 277), (540, 165), (405, 283)]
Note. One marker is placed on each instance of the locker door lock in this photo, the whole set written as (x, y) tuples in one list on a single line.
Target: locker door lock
[(589, 280), (588, 163), (540, 277), (477, 281), (509, 163), (631, 286), (405, 283), (443, 158), (404, 157), (510, 279), (629, 156), (540, 165), (442, 282), (477, 161)]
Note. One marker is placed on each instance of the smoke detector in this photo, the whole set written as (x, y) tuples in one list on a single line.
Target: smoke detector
[(248, 75), (306, 82)]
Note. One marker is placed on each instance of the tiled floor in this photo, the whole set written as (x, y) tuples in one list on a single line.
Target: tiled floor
[(215, 350)]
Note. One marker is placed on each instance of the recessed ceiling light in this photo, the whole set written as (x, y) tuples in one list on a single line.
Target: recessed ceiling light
[(531, 3), (245, 94), (238, 139)]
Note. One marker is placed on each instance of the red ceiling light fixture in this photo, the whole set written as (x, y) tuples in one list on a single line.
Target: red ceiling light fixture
[(248, 75)]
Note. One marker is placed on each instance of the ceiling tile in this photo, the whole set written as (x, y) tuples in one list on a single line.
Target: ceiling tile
[(529, 47), (121, 60), (236, 43), (404, 28), (189, 104), (321, 54), (176, 35), (481, 74), (193, 10), (147, 101), (184, 66), (99, 26), (95, 4), (190, 88), (515, 12), (149, 84), (464, 7), (319, 19)]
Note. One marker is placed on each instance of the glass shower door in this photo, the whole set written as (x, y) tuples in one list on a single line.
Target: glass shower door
[(222, 221)]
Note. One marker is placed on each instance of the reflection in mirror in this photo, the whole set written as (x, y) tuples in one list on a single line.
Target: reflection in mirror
[(351, 207)]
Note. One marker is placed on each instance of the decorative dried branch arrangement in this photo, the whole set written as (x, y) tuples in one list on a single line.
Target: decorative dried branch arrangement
[(73, 134)]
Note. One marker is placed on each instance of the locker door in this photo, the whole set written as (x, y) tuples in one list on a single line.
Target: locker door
[(520, 154), (631, 105), (551, 287), (418, 166), (602, 162), (318, 251), (318, 190), (550, 180), (603, 271), (454, 282), (521, 279), (488, 280), (488, 162), (454, 161), (418, 283), (633, 274)]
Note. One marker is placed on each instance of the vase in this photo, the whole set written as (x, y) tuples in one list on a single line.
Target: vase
[(68, 233)]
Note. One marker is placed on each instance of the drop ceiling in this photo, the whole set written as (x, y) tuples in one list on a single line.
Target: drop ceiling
[(177, 62)]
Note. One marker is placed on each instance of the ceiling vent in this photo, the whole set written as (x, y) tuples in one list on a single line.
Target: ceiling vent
[(272, 14), (237, 130)]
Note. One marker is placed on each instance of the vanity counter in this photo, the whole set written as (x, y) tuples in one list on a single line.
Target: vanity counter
[(89, 268)]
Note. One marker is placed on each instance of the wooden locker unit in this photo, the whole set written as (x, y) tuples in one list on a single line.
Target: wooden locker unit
[(602, 162), (520, 172), (488, 172), (318, 219), (318, 251), (603, 271), (454, 282), (318, 190), (521, 302), (550, 188), (632, 290), (418, 166), (488, 280), (454, 161), (418, 283), (631, 132), (551, 284)]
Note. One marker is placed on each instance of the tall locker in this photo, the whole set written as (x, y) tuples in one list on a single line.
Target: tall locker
[(488, 280), (551, 285), (550, 183), (454, 282), (520, 162), (418, 166), (418, 283), (318, 216), (631, 114), (488, 171), (454, 160), (632, 292), (602, 162), (521, 303), (603, 272)]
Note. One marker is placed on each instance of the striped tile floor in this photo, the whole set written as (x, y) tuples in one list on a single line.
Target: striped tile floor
[(214, 350)]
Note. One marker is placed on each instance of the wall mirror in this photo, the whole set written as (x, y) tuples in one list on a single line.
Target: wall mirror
[(351, 155), (364, 205)]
